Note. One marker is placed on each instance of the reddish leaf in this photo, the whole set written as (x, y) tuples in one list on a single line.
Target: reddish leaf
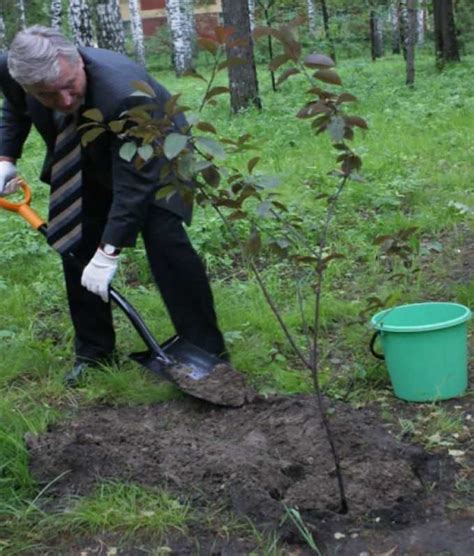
[(211, 176), (252, 163), (358, 122), (319, 61), (312, 109), (216, 91), (253, 245), (234, 61), (328, 76), (331, 257), (345, 97), (238, 215), (223, 34), (206, 126), (278, 61), (287, 73), (208, 44), (195, 74), (260, 32)]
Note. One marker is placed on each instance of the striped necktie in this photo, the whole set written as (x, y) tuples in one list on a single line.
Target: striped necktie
[(65, 226)]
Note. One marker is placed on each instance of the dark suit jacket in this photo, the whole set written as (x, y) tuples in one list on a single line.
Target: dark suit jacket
[(112, 187)]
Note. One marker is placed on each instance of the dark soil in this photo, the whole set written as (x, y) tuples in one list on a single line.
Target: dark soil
[(253, 461)]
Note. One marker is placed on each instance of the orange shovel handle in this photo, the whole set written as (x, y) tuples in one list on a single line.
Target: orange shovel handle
[(23, 207)]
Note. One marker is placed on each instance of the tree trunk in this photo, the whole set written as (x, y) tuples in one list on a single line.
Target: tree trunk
[(394, 16), (327, 31), (183, 33), (403, 25), (3, 40), (56, 10), (311, 11), (110, 33), (21, 13), (81, 23), (376, 35), (446, 43), (252, 14), (420, 23), (411, 41), (243, 81), (136, 28)]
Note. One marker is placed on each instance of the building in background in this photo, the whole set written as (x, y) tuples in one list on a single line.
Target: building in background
[(153, 12)]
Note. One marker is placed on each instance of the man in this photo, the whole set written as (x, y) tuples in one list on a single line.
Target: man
[(99, 203)]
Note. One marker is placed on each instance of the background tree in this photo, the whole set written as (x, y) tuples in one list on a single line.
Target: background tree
[(81, 23), (3, 39), (136, 28), (56, 10), (20, 6), (252, 13), (325, 13), (446, 44), (394, 17), (311, 12), (243, 82), (410, 37), (183, 33), (420, 23), (376, 35), (110, 32)]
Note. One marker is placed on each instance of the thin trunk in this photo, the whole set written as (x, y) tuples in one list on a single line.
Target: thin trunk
[(395, 26), (311, 11), (81, 23), (252, 14), (3, 40), (403, 24), (327, 30), (376, 35), (110, 32), (411, 41), (268, 20), (136, 28), (21, 13), (183, 33), (446, 43), (243, 81), (56, 14), (420, 24)]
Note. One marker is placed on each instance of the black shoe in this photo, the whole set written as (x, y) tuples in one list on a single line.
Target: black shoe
[(78, 372)]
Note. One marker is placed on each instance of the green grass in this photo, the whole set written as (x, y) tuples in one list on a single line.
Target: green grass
[(417, 165)]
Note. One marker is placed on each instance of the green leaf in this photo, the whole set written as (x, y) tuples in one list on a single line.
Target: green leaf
[(128, 151), (143, 88), (252, 163), (93, 114), (90, 135), (210, 146), (146, 152), (166, 192), (116, 126), (174, 144)]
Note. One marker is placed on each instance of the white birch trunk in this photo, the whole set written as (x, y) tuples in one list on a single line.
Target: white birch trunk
[(3, 40), (183, 33), (81, 22), (311, 17), (420, 24), (136, 28), (21, 13), (56, 14), (393, 15), (110, 33), (251, 4)]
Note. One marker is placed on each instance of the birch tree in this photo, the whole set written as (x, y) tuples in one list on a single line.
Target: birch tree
[(410, 38), (56, 10), (446, 44), (110, 33), (81, 22), (252, 14), (3, 40), (20, 6), (311, 11), (420, 23), (376, 35), (243, 81), (394, 17), (136, 28), (183, 33)]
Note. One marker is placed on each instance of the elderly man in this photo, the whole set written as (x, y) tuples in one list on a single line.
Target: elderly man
[(99, 202)]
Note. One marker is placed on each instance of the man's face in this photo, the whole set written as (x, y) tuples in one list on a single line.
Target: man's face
[(65, 94)]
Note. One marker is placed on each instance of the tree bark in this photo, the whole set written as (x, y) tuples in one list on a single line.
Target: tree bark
[(110, 32), (420, 23), (411, 41), (81, 23), (376, 35), (136, 28), (243, 81), (56, 11), (446, 44), (311, 11), (252, 14), (183, 33), (21, 13), (3, 40), (327, 31), (403, 26), (395, 26)]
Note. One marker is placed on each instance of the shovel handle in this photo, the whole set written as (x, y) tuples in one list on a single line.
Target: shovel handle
[(23, 207)]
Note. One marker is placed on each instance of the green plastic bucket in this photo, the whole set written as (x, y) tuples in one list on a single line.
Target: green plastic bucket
[(425, 349)]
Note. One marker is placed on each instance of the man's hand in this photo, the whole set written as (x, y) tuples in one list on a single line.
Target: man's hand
[(98, 274), (8, 184)]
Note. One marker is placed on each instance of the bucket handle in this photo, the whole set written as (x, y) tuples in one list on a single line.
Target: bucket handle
[(372, 346)]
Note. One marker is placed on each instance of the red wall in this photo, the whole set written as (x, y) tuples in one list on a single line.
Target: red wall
[(152, 4)]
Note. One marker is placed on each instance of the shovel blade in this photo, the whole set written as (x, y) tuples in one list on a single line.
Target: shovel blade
[(181, 352)]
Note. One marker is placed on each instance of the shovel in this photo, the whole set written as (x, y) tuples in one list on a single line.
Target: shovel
[(177, 360)]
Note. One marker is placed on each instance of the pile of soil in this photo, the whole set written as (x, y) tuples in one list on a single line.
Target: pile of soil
[(251, 460)]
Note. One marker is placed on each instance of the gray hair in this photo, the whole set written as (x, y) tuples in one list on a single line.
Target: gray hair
[(34, 52)]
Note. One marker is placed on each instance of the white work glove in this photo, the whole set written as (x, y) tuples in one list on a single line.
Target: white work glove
[(8, 184), (98, 274)]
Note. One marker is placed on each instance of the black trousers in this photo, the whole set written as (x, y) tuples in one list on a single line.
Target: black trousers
[(178, 272)]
